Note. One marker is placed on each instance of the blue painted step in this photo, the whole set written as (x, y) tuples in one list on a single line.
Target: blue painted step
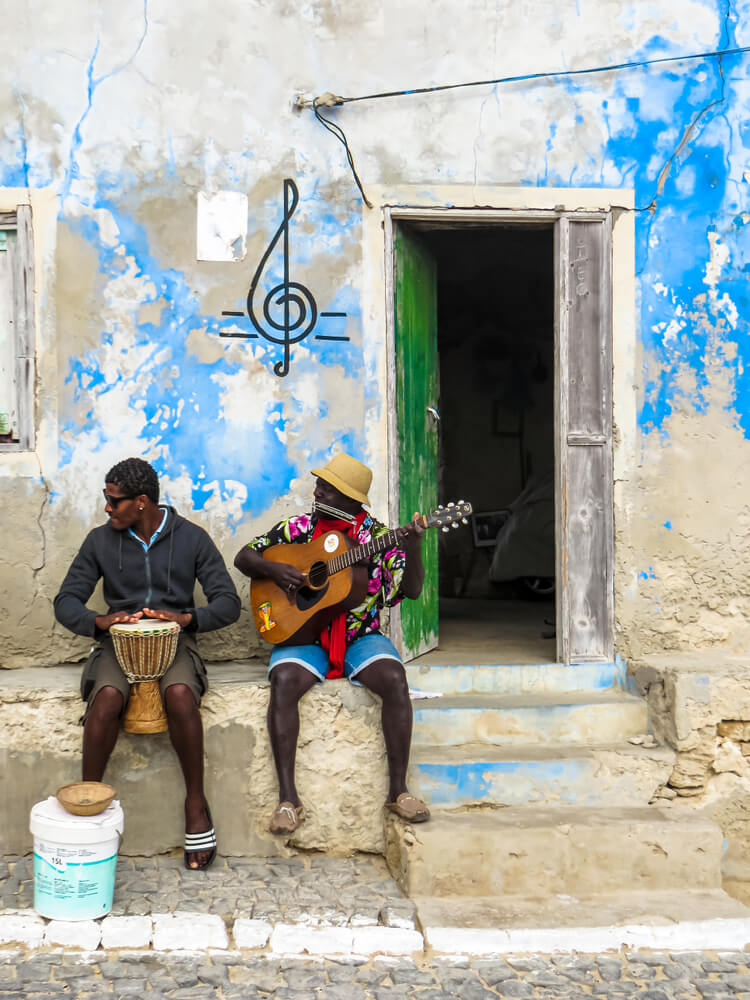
[(603, 775), (524, 678)]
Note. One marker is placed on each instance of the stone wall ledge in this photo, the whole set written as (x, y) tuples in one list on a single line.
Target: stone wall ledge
[(699, 704), (341, 769), (688, 691)]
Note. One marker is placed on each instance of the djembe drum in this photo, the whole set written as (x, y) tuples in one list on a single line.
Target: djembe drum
[(145, 651)]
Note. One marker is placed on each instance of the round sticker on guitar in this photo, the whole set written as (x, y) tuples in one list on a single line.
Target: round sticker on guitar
[(331, 543)]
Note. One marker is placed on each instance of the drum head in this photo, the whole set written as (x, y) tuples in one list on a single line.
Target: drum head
[(147, 626)]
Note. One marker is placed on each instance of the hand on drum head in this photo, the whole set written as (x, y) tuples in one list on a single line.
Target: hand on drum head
[(183, 618), (104, 621)]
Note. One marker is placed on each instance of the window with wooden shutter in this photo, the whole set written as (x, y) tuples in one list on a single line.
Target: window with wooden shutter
[(16, 331)]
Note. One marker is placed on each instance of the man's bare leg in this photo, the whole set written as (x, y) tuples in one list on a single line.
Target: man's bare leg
[(100, 732), (387, 679), (186, 734), (289, 681)]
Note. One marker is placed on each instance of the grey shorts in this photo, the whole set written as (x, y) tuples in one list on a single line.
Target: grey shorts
[(102, 670)]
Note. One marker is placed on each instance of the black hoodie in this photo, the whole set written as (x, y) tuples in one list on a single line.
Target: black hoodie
[(162, 578)]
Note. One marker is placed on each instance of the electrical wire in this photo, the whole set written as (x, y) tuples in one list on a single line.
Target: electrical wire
[(553, 75), (331, 100), (336, 130)]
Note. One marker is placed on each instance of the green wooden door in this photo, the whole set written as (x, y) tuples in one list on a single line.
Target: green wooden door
[(415, 325)]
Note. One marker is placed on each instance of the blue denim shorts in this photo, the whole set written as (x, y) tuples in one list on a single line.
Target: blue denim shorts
[(359, 655)]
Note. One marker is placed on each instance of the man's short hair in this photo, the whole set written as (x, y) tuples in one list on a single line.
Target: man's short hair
[(134, 476)]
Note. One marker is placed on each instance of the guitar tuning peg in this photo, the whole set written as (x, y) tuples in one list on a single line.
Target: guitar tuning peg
[(464, 521), (441, 507), (451, 504), (445, 528), (455, 524)]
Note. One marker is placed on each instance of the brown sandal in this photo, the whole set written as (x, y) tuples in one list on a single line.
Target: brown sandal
[(410, 808), (286, 818)]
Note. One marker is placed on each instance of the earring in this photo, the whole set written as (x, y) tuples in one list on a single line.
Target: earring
[(140, 509)]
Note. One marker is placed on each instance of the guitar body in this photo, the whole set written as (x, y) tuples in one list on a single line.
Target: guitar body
[(298, 618)]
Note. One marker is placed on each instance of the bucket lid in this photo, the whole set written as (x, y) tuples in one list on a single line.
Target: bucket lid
[(48, 819)]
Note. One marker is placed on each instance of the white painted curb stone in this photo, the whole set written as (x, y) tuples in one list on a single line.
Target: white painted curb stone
[(126, 932), (24, 927), (688, 935), (251, 933), (85, 934), (189, 932), (387, 941), (297, 939)]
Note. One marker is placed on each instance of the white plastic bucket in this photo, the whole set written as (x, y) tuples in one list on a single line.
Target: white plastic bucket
[(74, 860)]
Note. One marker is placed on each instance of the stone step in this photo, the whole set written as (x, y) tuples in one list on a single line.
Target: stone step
[(671, 920), (530, 850), (543, 718), (599, 775), (523, 678)]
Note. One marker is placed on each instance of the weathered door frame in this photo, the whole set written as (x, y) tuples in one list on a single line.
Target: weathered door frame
[(568, 441), (584, 516)]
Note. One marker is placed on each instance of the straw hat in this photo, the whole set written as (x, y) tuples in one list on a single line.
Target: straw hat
[(349, 476)]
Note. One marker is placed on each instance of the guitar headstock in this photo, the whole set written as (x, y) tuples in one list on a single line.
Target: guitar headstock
[(449, 516)]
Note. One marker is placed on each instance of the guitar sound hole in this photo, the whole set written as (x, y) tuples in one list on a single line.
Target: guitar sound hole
[(307, 597), (318, 574)]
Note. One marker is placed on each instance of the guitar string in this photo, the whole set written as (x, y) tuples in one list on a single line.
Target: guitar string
[(376, 545), (336, 563), (368, 549)]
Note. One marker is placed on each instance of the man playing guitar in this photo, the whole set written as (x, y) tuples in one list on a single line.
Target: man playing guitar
[(352, 645)]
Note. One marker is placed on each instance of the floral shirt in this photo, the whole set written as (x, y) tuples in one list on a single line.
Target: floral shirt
[(385, 570)]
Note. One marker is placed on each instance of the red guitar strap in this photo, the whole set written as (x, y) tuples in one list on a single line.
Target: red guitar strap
[(333, 636)]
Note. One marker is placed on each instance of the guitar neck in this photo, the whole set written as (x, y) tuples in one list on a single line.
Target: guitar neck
[(362, 552)]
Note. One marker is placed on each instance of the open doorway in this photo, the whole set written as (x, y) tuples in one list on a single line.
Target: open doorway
[(502, 321), (495, 360)]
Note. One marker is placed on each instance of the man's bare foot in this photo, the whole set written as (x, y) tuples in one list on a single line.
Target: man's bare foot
[(200, 836)]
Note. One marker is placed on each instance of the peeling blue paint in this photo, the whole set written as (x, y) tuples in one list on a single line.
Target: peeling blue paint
[(697, 202), (510, 782), (193, 441)]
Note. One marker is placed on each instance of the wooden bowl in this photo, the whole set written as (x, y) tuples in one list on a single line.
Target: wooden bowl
[(85, 798)]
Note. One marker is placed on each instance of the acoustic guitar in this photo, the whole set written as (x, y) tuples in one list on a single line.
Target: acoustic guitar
[(335, 571)]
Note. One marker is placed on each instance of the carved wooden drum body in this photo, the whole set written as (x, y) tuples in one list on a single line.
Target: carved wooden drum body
[(145, 651)]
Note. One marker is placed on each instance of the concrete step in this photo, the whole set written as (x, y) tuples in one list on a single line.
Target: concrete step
[(675, 920), (541, 718), (599, 775), (523, 678), (530, 850)]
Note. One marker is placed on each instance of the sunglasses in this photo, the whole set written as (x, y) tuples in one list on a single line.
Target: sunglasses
[(114, 502)]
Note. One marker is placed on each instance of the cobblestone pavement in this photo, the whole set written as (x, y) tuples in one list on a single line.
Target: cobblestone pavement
[(303, 889), (310, 891), (231, 976)]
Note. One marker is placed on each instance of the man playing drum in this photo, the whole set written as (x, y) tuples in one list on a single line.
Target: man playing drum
[(149, 559), (352, 645)]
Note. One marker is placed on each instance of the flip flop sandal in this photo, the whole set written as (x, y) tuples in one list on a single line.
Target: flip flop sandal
[(205, 841), (286, 818), (410, 808)]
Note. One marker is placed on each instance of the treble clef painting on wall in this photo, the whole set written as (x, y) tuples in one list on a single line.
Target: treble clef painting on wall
[(288, 313)]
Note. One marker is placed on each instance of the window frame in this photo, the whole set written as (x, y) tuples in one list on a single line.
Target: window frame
[(20, 219)]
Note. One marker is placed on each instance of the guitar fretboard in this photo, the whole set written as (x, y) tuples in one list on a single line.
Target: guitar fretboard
[(361, 552)]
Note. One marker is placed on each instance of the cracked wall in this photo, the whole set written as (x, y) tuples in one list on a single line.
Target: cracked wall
[(122, 117), (699, 704)]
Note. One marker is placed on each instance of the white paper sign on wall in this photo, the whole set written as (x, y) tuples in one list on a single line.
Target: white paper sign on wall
[(222, 226)]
